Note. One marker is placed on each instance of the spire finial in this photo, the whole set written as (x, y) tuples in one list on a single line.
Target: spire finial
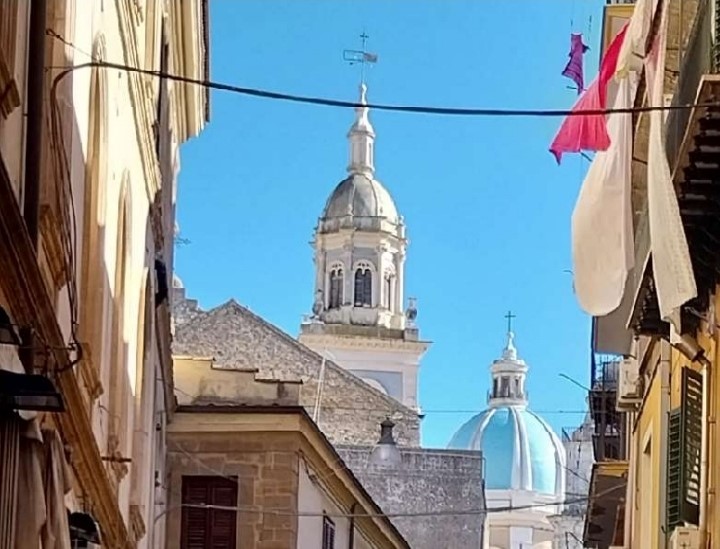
[(509, 316), (361, 57), (362, 135), (510, 352)]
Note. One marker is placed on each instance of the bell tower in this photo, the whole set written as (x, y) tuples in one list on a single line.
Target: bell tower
[(359, 320)]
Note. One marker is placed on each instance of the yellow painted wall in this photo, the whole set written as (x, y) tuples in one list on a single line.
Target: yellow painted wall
[(714, 440), (647, 469)]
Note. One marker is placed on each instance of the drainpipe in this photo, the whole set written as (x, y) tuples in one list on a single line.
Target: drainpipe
[(351, 534), (33, 143)]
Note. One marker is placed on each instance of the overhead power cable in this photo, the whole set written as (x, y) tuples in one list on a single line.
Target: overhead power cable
[(414, 109)]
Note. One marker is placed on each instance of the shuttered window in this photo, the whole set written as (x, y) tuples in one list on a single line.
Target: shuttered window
[(328, 534), (683, 462), (208, 528)]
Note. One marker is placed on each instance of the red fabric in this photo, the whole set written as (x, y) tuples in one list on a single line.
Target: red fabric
[(588, 132)]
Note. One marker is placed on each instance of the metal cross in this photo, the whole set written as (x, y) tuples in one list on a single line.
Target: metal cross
[(509, 316), (360, 57)]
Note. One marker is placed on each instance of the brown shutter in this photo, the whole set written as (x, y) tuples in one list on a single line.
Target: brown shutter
[(208, 528), (9, 456)]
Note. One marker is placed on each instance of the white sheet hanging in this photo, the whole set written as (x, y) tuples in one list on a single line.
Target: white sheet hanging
[(602, 234), (672, 268)]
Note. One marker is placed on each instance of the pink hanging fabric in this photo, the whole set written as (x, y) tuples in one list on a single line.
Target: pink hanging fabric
[(574, 68), (588, 132)]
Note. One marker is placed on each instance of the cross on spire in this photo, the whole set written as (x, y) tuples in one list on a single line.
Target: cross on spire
[(360, 57), (509, 316)]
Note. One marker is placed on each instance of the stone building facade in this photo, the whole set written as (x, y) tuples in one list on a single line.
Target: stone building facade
[(87, 189), (427, 487), (243, 444)]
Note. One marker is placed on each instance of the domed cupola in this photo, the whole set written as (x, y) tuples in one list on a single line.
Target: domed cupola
[(360, 201), (521, 451)]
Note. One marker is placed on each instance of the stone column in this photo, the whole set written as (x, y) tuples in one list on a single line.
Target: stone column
[(399, 280)]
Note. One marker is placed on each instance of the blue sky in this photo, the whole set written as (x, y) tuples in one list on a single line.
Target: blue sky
[(487, 209)]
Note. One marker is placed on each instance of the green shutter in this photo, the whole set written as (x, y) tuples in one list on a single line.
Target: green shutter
[(692, 428), (683, 463), (674, 469)]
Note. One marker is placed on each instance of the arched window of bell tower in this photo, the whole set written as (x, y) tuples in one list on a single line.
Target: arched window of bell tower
[(336, 284), (363, 284)]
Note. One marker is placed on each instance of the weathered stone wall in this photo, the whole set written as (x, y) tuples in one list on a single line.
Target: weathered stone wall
[(266, 467), (351, 410), (432, 483)]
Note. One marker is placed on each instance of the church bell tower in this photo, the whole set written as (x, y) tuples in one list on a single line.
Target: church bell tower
[(359, 320)]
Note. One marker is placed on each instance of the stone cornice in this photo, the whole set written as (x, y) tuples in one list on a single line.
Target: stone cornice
[(30, 305), (364, 342), (139, 98)]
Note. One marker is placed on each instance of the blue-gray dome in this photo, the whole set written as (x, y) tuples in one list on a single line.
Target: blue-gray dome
[(521, 450)]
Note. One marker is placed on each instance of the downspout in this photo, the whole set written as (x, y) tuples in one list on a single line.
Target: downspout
[(351, 534), (34, 135)]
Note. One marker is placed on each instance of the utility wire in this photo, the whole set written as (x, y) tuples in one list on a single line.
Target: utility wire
[(416, 109), (409, 514)]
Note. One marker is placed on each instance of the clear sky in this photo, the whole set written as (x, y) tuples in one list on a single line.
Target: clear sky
[(487, 209)]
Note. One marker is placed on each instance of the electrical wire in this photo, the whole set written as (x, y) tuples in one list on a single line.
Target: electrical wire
[(415, 514), (416, 109)]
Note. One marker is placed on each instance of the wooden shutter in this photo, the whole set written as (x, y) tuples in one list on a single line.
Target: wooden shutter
[(684, 444), (208, 528), (328, 534)]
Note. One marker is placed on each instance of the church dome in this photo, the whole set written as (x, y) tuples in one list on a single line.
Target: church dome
[(520, 449), (360, 196)]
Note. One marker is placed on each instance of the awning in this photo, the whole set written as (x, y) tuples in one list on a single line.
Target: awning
[(606, 503)]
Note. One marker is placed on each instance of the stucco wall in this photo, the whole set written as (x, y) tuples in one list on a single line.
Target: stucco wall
[(432, 483), (312, 500)]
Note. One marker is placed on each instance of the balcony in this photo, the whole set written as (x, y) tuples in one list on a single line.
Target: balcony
[(608, 439), (605, 518), (693, 149)]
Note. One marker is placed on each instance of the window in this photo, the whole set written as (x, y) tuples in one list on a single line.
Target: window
[(336, 287), (363, 285), (505, 387), (208, 528), (683, 458), (328, 534)]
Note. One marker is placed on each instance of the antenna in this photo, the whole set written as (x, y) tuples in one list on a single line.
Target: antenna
[(360, 57)]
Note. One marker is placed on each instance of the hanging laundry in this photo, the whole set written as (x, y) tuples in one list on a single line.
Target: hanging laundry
[(574, 68), (588, 132), (602, 230), (672, 266)]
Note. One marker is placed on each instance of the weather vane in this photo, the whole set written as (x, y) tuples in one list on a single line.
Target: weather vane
[(360, 57)]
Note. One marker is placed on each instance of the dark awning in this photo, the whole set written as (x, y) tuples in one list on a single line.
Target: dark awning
[(606, 499)]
